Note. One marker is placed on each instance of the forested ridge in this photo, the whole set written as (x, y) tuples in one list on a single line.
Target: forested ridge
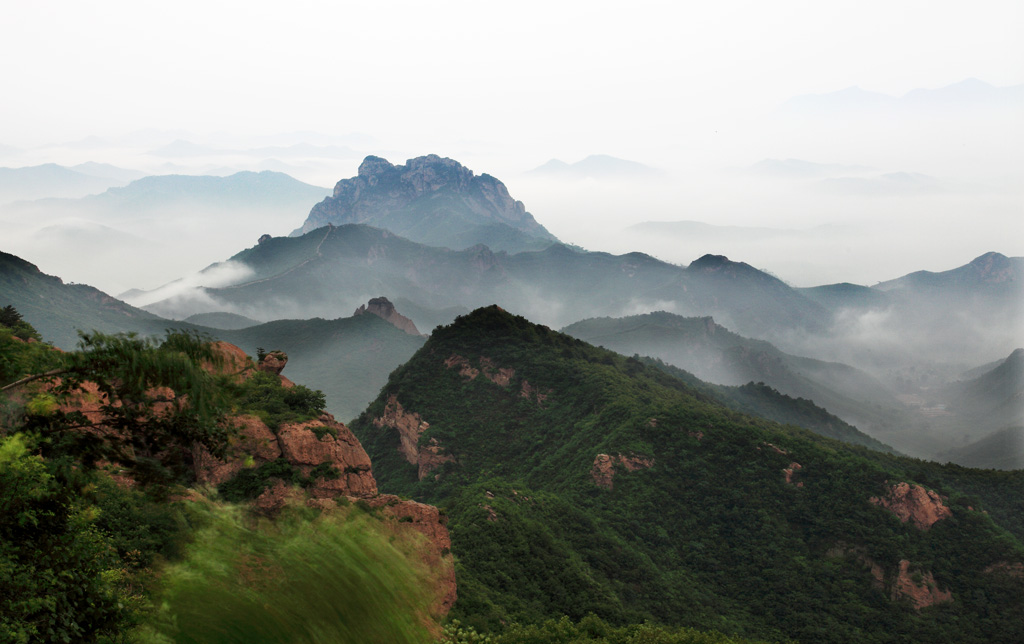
[(710, 518)]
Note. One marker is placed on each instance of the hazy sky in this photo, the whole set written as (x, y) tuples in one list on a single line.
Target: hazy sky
[(578, 76), (686, 87)]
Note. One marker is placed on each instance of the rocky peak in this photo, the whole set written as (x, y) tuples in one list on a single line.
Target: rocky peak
[(273, 362), (432, 200), (384, 309), (373, 166)]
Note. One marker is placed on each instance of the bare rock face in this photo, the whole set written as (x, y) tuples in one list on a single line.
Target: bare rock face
[(336, 445), (410, 427), (274, 362), (233, 361), (427, 196), (384, 309), (914, 503), (790, 471), (919, 587), (603, 470)]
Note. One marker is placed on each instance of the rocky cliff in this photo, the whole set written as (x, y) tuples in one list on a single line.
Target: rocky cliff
[(432, 200), (384, 309), (312, 448)]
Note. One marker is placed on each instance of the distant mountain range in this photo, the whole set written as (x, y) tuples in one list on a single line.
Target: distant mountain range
[(596, 166), (52, 180), (970, 94), (432, 201), (149, 222), (329, 271)]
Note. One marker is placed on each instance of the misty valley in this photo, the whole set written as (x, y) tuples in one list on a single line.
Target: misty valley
[(423, 417)]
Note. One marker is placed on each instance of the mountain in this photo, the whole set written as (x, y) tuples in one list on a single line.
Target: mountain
[(579, 481), (58, 310), (967, 95), (988, 411), (714, 354), (330, 271), (952, 318), (800, 169), (349, 359), (162, 215), (1003, 449), (595, 166), (433, 201), (52, 180), (221, 320)]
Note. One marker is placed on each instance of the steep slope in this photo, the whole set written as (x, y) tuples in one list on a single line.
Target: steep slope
[(713, 353), (580, 481), (433, 201), (58, 310), (330, 271)]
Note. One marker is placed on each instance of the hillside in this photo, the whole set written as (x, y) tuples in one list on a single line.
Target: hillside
[(433, 201), (59, 310), (714, 354), (578, 481)]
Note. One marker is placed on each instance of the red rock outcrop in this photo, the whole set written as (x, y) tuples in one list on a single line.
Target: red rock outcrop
[(914, 503), (273, 362), (919, 587), (256, 444), (603, 470), (790, 471), (410, 427), (336, 445), (384, 309)]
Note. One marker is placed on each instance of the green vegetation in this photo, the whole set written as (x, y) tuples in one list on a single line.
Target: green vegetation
[(94, 447), (706, 532), (301, 578), (262, 394), (250, 483)]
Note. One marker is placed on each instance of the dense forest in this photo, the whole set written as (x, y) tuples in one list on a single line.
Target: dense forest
[(579, 481)]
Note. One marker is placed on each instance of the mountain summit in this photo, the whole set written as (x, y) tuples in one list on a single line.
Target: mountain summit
[(431, 200)]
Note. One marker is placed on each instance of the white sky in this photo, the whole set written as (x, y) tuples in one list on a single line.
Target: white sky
[(505, 87), (566, 75)]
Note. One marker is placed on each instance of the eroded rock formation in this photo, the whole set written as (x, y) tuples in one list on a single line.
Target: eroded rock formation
[(917, 586), (384, 309), (603, 471), (913, 503), (410, 427)]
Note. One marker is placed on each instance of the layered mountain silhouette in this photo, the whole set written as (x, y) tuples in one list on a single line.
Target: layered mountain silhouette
[(329, 271), (434, 201)]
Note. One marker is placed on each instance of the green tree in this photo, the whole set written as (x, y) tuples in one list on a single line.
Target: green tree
[(133, 401)]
